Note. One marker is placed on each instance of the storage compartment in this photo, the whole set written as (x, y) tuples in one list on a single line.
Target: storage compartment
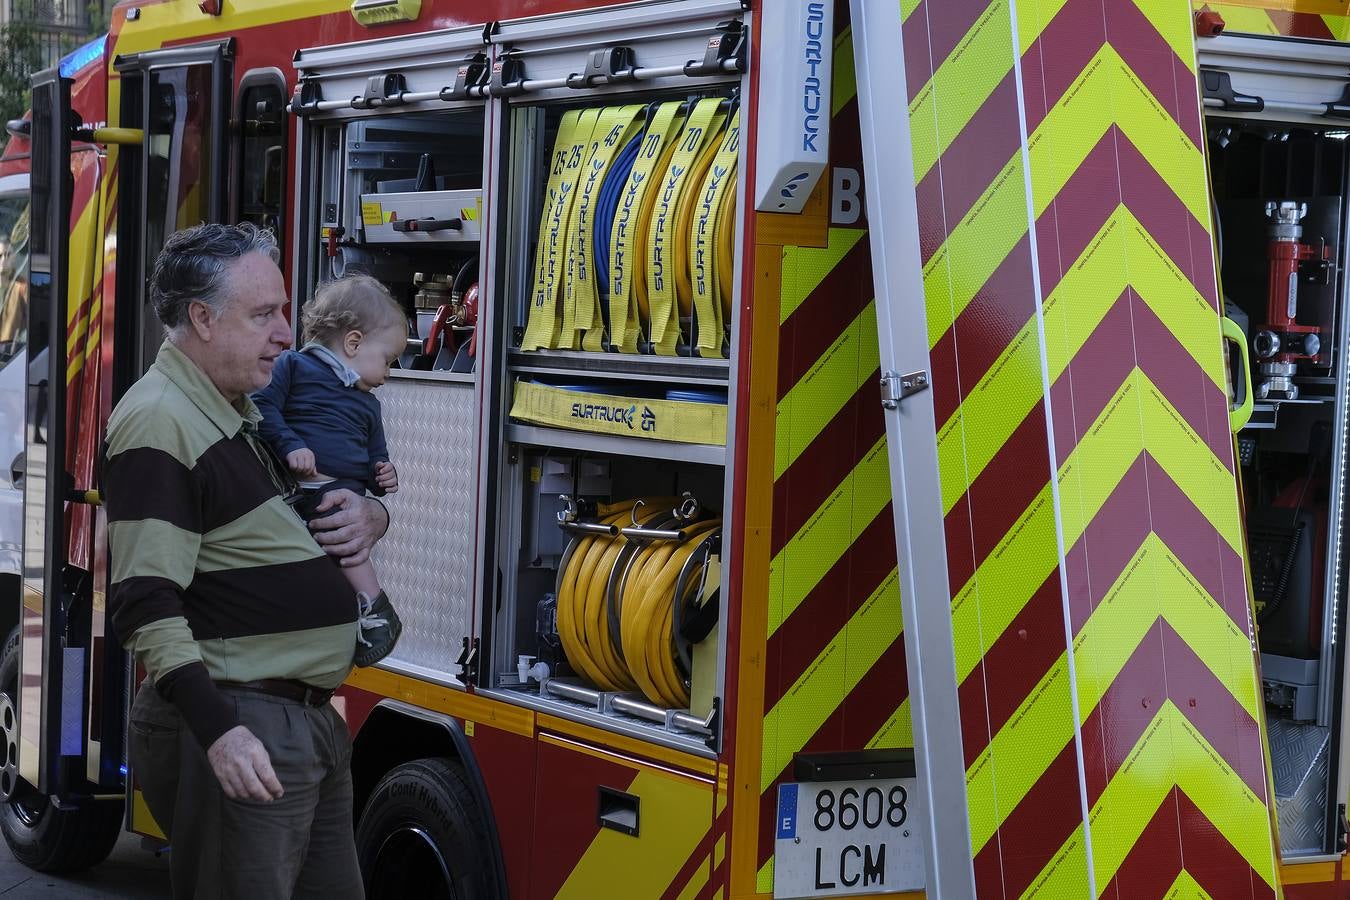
[(1280, 192), (402, 200), (621, 179), (613, 574)]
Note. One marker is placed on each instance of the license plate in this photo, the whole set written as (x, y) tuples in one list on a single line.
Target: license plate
[(847, 838)]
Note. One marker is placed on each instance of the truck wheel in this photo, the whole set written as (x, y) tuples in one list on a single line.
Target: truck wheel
[(423, 835), (40, 835)]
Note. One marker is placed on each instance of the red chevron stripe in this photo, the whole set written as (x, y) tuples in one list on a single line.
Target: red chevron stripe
[(983, 330), (794, 646), (1012, 666), (1065, 230), (1058, 57), (851, 725), (815, 474), (1022, 655), (1180, 836), (1163, 667), (1091, 196), (1307, 25), (823, 316), (1131, 335), (1002, 492), (1034, 831), (968, 166), (939, 27), (918, 56)]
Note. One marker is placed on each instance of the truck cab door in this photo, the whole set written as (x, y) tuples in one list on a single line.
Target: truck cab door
[(46, 659), (180, 99)]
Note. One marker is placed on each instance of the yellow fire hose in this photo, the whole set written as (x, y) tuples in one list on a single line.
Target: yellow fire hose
[(640, 577), (672, 240)]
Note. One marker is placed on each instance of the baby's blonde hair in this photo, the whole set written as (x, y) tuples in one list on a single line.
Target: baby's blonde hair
[(351, 303)]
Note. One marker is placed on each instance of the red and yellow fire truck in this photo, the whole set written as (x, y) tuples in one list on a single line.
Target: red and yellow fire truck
[(846, 447)]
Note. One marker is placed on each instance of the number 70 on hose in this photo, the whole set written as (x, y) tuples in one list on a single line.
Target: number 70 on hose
[(846, 838)]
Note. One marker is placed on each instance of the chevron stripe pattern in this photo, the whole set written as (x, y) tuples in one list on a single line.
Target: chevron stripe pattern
[(1327, 20), (835, 655), (1109, 703)]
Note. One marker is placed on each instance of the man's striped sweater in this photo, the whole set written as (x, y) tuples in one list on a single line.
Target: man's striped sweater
[(214, 576)]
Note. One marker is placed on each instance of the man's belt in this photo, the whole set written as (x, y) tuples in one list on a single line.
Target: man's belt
[(286, 688)]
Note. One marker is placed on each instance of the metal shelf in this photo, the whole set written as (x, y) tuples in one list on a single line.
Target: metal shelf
[(627, 366), (536, 436)]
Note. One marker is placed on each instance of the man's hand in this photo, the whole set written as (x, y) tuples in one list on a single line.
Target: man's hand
[(243, 767), (386, 476), (301, 462), (349, 525)]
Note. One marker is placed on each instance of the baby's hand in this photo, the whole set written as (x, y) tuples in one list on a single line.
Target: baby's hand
[(386, 476), (301, 461)]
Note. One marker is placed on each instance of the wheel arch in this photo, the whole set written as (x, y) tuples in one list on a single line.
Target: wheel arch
[(396, 732)]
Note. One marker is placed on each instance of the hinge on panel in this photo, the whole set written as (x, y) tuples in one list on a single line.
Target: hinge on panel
[(508, 76), (1217, 85), (1342, 827), (382, 90), (896, 387), (468, 663)]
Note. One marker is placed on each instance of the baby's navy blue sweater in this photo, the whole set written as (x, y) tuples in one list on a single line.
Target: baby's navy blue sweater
[(306, 405)]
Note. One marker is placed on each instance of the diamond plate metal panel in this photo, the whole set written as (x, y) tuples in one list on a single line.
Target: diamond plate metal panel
[(1299, 755), (425, 561)]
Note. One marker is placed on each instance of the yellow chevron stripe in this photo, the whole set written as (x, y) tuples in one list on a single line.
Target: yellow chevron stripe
[(817, 398), (897, 732), (804, 268), (676, 815), (960, 87), (1186, 888), (1173, 22), (1122, 255), (1024, 748), (1106, 93), (828, 534), (1138, 418), (831, 676), (907, 7), (1313, 7), (764, 878), (1170, 753)]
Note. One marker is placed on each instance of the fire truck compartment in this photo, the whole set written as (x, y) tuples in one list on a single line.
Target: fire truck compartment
[(1279, 175)]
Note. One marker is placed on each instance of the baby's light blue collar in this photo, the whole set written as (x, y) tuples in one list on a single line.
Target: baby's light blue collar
[(346, 373)]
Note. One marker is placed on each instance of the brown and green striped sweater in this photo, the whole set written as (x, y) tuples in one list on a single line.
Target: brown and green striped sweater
[(214, 576)]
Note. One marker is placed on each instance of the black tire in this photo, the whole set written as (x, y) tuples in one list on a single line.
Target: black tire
[(40, 835), (423, 835)]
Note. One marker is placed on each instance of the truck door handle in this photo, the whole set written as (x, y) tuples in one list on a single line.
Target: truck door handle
[(618, 811)]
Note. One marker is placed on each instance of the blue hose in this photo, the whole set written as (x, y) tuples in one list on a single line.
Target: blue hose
[(606, 207)]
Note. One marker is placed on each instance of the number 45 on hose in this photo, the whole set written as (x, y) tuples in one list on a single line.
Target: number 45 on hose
[(848, 826)]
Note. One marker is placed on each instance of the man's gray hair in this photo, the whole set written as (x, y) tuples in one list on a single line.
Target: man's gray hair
[(193, 267)]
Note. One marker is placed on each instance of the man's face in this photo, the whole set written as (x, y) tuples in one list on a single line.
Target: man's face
[(239, 348)]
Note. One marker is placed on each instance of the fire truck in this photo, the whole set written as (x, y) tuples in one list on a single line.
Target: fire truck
[(846, 447)]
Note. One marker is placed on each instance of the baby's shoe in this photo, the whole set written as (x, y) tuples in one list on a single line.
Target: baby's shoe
[(380, 628)]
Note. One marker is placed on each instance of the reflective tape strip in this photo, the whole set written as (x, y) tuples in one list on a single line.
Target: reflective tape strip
[(541, 330), (703, 251), (704, 122), (625, 255)]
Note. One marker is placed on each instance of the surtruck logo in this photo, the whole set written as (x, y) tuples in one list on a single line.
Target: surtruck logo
[(620, 415), (620, 270), (704, 223), (814, 59), (662, 217), (555, 226)]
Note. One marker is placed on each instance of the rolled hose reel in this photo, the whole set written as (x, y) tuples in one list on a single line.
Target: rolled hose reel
[(622, 598)]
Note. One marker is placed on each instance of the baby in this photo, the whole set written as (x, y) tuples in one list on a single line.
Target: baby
[(320, 416)]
